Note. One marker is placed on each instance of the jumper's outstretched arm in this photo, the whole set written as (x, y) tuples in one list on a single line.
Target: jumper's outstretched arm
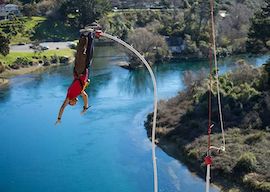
[(62, 108)]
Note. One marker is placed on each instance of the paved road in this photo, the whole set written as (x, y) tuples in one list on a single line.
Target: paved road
[(50, 45)]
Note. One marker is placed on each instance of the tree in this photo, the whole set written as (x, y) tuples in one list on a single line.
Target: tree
[(4, 44), (259, 33), (83, 12), (30, 10), (152, 46), (120, 26)]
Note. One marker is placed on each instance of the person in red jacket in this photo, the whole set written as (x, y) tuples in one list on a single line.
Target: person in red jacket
[(83, 59)]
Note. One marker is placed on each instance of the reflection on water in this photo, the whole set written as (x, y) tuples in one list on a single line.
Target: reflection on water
[(98, 82), (4, 93), (137, 82), (33, 80)]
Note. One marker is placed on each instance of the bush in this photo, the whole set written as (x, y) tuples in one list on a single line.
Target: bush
[(46, 61), (193, 154), (254, 138), (190, 45), (256, 182), (234, 190), (244, 73), (153, 46), (55, 59), (14, 66), (30, 10), (265, 186), (246, 164), (63, 60), (40, 62), (252, 120), (22, 61)]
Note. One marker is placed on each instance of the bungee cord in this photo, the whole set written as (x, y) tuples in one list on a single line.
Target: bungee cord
[(212, 52), (155, 101)]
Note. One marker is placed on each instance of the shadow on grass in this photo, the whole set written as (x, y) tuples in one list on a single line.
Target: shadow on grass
[(50, 30)]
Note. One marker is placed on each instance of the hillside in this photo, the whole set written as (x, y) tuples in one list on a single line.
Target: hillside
[(182, 128), (186, 28)]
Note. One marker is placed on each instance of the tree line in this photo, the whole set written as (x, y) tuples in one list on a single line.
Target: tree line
[(245, 28)]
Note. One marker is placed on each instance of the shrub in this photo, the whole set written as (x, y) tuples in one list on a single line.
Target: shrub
[(14, 66), (234, 190), (22, 61), (40, 62), (54, 59), (256, 182), (193, 154), (152, 46), (246, 163), (244, 73), (252, 120), (30, 10), (63, 59), (265, 186), (254, 138), (190, 45), (46, 62)]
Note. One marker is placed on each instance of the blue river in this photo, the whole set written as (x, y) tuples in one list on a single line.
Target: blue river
[(104, 150)]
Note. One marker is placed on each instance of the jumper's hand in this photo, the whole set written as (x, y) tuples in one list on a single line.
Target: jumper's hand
[(84, 109), (58, 121)]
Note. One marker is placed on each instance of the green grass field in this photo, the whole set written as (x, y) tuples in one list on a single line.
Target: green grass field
[(29, 29), (12, 56), (21, 30)]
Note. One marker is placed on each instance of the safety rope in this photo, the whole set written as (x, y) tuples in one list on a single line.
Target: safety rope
[(210, 98), (212, 51), (217, 76), (208, 158)]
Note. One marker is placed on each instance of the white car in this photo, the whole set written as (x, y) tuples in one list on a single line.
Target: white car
[(45, 48)]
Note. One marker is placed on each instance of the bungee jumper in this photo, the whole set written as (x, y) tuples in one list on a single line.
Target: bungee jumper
[(83, 60), (95, 30)]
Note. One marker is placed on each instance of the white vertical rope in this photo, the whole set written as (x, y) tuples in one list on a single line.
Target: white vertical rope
[(207, 178), (217, 77), (155, 102), (208, 158)]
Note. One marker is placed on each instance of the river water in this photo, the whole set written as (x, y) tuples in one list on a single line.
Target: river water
[(105, 150)]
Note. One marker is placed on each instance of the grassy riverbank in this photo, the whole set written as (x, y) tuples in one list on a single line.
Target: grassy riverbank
[(19, 63), (182, 128), (12, 56)]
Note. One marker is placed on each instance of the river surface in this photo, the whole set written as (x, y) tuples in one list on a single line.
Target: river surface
[(105, 150)]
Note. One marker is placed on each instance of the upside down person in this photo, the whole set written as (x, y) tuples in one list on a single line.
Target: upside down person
[(83, 59)]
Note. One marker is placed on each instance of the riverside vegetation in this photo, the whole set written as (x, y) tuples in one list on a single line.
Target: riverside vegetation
[(185, 24), (182, 123)]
